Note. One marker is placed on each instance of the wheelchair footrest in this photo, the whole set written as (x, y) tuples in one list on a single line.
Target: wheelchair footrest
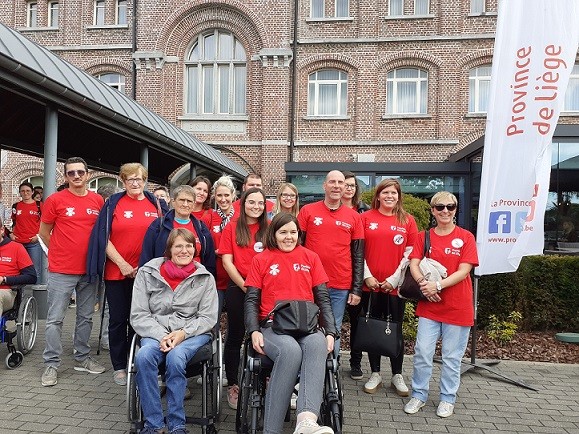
[(203, 421)]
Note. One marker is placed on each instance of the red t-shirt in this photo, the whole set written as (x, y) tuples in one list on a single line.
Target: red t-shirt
[(215, 229), (242, 256), (189, 226), (450, 250), (205, 216), (13, 258), (26, 219), (285, 276), (329, 234), (385, 240), (131, 219), (73, 218)]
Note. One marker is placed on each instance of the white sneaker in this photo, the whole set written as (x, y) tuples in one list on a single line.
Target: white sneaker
[(445, 409), (413, 406), (398, 384), (309, 426), (374, 383)]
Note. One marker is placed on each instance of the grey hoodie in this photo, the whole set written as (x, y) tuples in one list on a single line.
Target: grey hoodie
[(157, 310)]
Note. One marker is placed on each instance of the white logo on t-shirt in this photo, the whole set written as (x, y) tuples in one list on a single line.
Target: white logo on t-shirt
[(318, 221), (70, 212), (216, 229), (19, 212), (128, 214), (258, 247), (274, 270), (457, 243), (373, 226)]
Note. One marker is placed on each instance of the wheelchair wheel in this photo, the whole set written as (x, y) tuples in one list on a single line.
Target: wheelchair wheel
[(27, 324), (332, 410), (134, 412), (14, 360), (250, 405)]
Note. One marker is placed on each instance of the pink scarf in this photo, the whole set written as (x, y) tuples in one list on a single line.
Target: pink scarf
[(174, 275)]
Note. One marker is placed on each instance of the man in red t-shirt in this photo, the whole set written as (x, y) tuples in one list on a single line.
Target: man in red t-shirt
[(336, 234), (68, 217), (253, 180), (15, 269)]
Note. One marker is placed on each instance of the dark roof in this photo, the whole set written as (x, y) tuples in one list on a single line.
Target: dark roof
[(96, 122)]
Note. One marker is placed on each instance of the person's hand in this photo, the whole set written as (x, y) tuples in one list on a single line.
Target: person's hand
[(386, 287), (429, 291), (128, 270), (330, 341), (257, 341), (34, 239), (171, 340), (372, 283), (353, 299)]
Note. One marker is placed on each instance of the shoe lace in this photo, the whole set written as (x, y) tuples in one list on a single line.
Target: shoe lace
[(308, 423)]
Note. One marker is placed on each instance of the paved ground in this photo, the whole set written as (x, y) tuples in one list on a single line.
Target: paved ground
[(85, 403)]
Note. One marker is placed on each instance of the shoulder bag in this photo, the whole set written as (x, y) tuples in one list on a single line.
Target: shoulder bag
[(378, 335), (410, 289), (294, 317)]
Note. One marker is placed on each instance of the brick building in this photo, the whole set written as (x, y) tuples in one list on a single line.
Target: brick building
[(382, 88)]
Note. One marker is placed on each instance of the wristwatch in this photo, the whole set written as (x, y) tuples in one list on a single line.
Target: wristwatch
[(438, 286)]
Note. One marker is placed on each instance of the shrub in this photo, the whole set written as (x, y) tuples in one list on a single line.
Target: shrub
[(504, 331)]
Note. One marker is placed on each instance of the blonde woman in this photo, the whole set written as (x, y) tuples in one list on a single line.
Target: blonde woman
[(287, 199)]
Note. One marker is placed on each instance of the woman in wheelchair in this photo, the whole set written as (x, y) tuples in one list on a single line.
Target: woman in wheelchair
[(174, 309), (288, 271), (16, 268)]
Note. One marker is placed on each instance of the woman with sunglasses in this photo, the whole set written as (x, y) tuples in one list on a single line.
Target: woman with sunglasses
[(447, 312), (114, 250), (241, 240), (287, 199)]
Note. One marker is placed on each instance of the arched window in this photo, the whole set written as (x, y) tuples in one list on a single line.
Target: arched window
[(216, 75), (113, 80), (479, 83), (327, 93), (407, 91), (36, 181), (572, 95), (105, 180)]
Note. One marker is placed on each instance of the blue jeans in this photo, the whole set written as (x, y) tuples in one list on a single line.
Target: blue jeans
[(60, 288), (35, 252), (147, 362), (305, 356), (338, 299), (454, 341)]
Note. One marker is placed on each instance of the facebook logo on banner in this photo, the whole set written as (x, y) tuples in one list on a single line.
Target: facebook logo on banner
[(500, 222)]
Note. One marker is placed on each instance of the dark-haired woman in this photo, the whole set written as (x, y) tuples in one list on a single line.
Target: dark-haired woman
[(304, 355), (202, 206), (241, 240)]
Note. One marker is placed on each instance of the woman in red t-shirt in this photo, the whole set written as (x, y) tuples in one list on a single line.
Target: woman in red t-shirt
[(202, 205), (26, 223), (448, 311), (241, 240), (389, 234), (288, 271)]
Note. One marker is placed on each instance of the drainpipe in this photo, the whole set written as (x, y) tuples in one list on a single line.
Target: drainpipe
[(135, 6), (293, 83)]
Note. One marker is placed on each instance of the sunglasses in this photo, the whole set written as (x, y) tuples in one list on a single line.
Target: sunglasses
[(451, 207), (72, 173)]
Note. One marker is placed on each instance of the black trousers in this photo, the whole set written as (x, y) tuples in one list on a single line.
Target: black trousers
[(119, 294), (234, 303)]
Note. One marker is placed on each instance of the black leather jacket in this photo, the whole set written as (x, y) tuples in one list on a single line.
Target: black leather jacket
[(321, 298), (357, 249)]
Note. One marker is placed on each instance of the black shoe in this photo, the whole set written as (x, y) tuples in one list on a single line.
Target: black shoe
[(356, 373)]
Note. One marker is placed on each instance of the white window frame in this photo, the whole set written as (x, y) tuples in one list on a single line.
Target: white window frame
[(478, 80), (53, 11), (319, 9), (121, 4), (572, 95), (396, 8), (477, 7), (113, 79), (420, 97), (32, 14), (220, 80), (99, 7), (341, 93)]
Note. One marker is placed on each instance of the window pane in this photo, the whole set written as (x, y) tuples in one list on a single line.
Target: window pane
[(225, 46), (122, 12), (421, 7), (390, 96), (53, 14), (406, 97), (192, 89), (209, 48), (471, 96), (423, 96), (311, 98), (114, 80), (396, 8), (327, 102), (32, 14), (208, 93), (342, 8), (99, 18), (223, 89), (477, 6), (239, 51), (343, 98), (239, 84), (328, 74), (317, 9), (194, 53)]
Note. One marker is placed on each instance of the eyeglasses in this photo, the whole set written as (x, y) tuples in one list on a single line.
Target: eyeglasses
[(134, 180), (73, 173), (451, 207), (350, 186), (288, 196)]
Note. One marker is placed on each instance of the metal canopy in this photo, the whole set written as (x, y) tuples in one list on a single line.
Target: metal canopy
[(95, 121)]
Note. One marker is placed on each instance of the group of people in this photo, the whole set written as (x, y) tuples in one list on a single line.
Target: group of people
[(168, 272)]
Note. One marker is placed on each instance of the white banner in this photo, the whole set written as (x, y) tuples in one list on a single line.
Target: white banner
[(535, 49)]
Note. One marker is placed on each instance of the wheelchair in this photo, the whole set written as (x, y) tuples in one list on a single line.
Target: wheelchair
[(207, 362), (256, 368), (25, 314)]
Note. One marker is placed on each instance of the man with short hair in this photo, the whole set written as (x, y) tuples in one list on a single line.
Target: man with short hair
[(67, 220), (335, 232), (162, 192), (253, 180)]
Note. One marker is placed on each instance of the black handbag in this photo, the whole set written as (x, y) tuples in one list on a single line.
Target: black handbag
[(410, 289), (378, 335), (295, 318)]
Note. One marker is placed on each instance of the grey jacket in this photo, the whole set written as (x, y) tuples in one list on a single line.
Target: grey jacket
[(157, 310)]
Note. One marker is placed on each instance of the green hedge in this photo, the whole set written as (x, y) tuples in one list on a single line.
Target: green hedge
[(545, 290)]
